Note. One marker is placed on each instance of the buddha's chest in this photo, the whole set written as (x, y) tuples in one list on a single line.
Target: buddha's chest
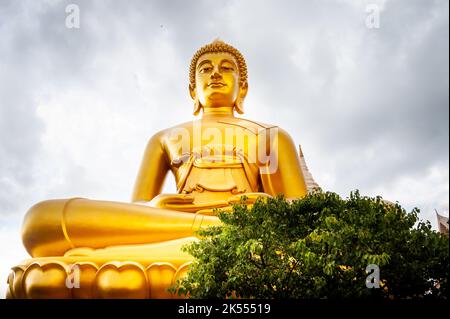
[(213, 142), (217, 168), (221, 156)]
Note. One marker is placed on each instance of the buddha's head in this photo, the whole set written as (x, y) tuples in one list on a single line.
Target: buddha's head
[(218, 77)]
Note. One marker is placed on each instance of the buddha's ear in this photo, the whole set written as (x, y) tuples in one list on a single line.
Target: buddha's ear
[(197, 105), (239, 105), (243, 90), (192, 91)]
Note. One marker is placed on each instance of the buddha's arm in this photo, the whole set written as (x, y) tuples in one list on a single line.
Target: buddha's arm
[(283, 174), (153, 170)]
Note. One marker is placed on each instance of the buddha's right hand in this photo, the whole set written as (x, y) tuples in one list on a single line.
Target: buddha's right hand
[(250, 198), (162, 199)]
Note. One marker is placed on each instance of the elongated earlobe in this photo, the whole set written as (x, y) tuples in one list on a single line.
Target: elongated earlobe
[(197, 107), (239, 104)]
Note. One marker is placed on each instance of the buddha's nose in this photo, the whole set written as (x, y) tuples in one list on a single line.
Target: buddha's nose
[(216, 75)]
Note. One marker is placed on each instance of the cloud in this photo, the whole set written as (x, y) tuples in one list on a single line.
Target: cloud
[(11, 250)]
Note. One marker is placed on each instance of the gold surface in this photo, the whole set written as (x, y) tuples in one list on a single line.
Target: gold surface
[(133, 249)]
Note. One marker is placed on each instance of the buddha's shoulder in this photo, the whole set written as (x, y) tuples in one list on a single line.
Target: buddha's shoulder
[(266, 129), (245, 124), (257, 127), (236, 122), (172, 130)]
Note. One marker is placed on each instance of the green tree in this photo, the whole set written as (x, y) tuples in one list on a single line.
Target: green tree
[(318, 247)]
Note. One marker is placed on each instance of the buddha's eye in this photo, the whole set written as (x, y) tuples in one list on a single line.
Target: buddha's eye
[(205, 69), (227, 68)]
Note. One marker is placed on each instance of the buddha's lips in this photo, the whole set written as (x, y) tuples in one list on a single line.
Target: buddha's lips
[(216, 84)]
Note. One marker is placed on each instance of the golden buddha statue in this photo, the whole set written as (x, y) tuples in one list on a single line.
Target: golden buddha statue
[(84, 248)]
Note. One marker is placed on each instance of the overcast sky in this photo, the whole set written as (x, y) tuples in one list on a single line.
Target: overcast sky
[(368, 105)]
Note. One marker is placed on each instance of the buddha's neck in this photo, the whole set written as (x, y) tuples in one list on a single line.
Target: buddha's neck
[(222, 111)]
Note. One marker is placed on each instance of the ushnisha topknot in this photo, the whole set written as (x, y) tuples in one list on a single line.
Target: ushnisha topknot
[(215, 47)]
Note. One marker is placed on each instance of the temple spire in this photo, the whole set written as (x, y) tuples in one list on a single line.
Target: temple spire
[(442, 223), (311, 184)]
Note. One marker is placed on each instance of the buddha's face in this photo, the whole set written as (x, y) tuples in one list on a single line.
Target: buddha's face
[(217, 80)]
